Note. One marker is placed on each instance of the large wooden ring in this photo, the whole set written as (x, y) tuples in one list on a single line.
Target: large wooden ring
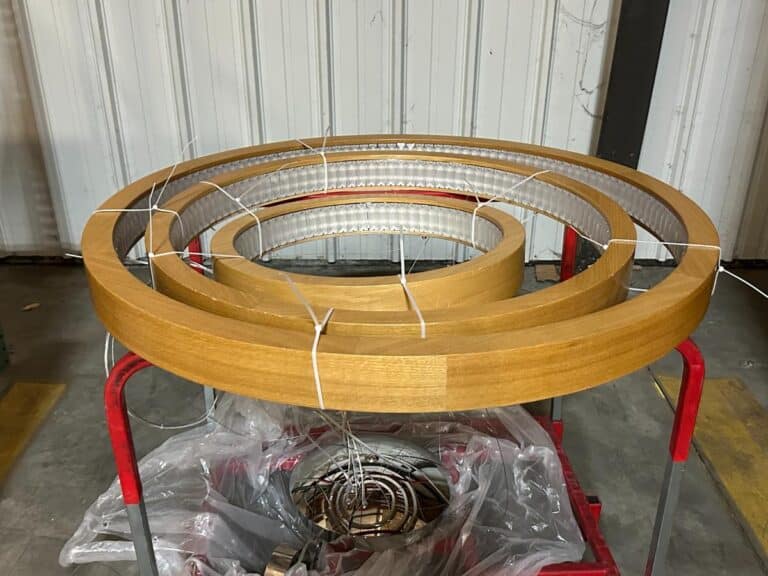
[(399, 371)]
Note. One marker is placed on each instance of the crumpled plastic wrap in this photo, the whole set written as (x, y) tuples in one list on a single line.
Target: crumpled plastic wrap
[(219, 501)]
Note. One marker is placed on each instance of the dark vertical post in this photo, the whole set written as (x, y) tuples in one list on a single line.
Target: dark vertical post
[(3, 351), (633, 72)]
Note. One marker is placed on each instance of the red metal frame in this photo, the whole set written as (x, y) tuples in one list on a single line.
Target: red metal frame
[(688, 401), (693, 370), (119, 426), (196, 253), (586, 510), (568, 257), (415, 192)]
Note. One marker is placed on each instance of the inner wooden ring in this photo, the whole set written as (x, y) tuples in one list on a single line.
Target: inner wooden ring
[(497, 273)]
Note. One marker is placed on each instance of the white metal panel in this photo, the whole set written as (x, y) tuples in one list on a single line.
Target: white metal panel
[(708, 105), (27, 223), (215, 38), (582, 48), (513, 73), (513, 79), (293, 67), (78, 124), (543, 67), (364, 37), (753, 233), (365, 43), (289, 44), (438, 75), (234, 73), (136, 44), (674, 103), (440, 42)]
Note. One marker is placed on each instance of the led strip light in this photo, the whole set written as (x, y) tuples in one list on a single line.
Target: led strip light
[(202, 205), (501, 352), (499, 269)]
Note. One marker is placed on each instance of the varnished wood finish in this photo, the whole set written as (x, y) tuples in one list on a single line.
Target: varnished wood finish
[(487, 365), (602, 285), (492, 276)]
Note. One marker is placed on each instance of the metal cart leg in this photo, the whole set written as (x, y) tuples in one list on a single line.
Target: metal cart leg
[(567, 269), (125, 459), (195, 252), (679, 447), (568, 257), (195, 248)]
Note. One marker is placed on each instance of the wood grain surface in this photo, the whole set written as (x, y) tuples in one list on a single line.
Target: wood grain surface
[(473, 356)]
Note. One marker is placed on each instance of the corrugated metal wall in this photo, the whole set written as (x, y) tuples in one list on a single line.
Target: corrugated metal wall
[(121, 85), (709, 101), (753, 233), (27, 223)]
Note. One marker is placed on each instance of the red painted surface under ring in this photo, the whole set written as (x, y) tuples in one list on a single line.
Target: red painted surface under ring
[(568, 258), (120, 427), (130, 482), (195, 253), (688, 401), (587, 513), (418, 192), (693, 370)]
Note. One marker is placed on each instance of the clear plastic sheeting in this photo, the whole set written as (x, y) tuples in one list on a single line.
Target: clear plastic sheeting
[(219, 498)]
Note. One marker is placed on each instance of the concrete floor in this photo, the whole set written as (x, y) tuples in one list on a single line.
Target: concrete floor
[(616, 434)]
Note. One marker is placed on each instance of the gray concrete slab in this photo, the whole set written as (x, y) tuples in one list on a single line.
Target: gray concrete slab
[(616, 435)]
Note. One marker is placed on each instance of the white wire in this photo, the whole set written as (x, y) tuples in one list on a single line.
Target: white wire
[(150, 253), (408, 295), (480, 203), (321, 152), (418, 256), (204, 254), (176, 165), (245, 208), (109, 350), (743, 281), (319, 328), (160, 426), (106, 354), (154, 208), (720, 268), (200, 267)]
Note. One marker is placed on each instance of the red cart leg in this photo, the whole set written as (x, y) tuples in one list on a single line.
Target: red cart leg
[(196, 253), (195, 248), (568, 258), (679, 447), (567, 269), (125, 459)]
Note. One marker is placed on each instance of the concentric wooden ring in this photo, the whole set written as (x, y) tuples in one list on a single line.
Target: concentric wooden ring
[(602, 285), (494, 275), (398, 371)]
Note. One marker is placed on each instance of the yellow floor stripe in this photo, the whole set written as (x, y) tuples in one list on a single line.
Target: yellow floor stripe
[(22, 409), (732, 437)]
